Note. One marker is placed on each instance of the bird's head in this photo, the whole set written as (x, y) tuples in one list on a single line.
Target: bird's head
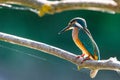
[(75, 22)]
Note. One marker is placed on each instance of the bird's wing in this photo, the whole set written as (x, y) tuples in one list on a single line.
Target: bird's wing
[(89, 43)]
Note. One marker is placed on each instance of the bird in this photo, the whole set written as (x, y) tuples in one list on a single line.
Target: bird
[(83, 39)]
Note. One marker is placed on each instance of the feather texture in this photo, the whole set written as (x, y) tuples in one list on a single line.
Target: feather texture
[(89, 43)]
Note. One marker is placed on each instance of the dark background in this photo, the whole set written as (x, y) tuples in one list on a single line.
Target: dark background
[(17, 63)]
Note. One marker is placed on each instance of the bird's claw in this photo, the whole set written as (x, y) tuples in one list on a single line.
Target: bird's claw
[(80, 56), (83, 57)]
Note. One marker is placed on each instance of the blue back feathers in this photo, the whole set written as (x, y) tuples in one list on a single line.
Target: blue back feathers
[(85, 36), (89, 43)]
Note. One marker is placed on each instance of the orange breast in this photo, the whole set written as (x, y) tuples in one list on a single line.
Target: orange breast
[(79, 43)]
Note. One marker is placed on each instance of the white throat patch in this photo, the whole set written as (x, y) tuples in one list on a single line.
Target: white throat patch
[(77, 24)]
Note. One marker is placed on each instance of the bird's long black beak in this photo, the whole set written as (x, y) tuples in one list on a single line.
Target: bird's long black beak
[(65, 29)]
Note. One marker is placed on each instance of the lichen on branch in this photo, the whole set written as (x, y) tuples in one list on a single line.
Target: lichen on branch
[(43, 7)]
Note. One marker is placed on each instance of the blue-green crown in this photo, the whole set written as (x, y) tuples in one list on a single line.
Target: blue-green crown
[(79, 20)]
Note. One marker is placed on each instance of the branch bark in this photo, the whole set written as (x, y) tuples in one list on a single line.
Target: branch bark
[(50, 7), (94, 66)]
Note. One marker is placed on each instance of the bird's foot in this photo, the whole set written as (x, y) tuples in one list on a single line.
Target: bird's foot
[(83, 58), (80, 56)]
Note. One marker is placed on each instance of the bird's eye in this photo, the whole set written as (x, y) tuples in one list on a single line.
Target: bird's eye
[(70, 22)]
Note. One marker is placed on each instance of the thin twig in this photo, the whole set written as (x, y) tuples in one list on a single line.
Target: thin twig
[(94, 66), (50, 7)]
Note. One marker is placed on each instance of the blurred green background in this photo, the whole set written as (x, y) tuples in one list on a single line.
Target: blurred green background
[(17, 63)]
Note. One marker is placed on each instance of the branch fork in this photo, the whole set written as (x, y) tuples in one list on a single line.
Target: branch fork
[(93, 65), (42, 7)]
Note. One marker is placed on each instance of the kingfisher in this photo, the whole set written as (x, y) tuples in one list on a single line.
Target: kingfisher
[(83, 39)]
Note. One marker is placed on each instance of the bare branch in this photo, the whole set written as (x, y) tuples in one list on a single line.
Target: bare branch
[(94, 66), (50, 7)]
